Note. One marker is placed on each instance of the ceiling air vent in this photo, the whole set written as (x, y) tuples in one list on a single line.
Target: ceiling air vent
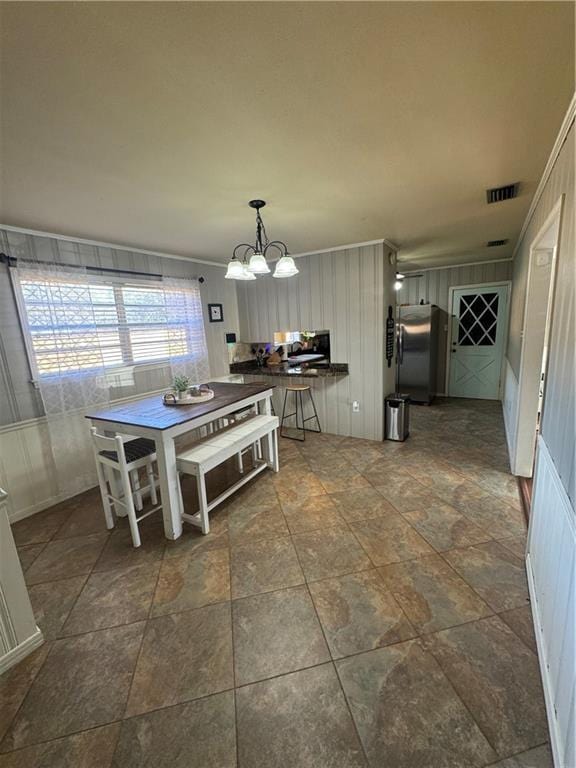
[(498, 194), (496, 243)]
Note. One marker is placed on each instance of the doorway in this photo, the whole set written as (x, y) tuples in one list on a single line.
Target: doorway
[(535, 341), (477, 335)]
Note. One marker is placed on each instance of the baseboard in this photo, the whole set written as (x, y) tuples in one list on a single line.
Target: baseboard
[(21, 651), (20, 514)]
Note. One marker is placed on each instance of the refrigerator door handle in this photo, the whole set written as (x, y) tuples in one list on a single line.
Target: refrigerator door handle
[(401, 344)]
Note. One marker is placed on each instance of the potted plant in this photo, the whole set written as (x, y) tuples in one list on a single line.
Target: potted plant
[(180, 385)]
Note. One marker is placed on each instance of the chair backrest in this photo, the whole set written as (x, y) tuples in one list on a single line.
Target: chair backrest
[(102, 443)]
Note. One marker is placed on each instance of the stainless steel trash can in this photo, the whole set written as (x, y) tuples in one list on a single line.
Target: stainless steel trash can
[(396, 417)]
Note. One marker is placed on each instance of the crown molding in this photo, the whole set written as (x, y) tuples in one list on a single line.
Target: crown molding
[(115, 246), (556, 149), (451, 266), (381, 241)]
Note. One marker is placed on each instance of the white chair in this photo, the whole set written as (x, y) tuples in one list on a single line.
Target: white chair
[(218, 448), (114, 458)]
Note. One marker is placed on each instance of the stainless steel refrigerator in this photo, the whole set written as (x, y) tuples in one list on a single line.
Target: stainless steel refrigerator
[(417, 346)]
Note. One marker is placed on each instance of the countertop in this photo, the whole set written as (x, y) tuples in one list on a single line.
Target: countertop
[(334, 370)]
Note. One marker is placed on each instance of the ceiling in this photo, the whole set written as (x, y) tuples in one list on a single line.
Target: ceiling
[(152, 124)]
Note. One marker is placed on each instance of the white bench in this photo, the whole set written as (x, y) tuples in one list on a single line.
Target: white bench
[(218, 448)]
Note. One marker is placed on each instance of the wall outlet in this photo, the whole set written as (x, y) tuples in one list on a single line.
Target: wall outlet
[(355, 406)]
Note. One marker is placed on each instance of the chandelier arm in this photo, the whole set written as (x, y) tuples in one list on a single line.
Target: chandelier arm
[(279, 245), (247, 248)]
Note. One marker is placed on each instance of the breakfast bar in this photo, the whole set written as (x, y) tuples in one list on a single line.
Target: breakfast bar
[(151, 418)]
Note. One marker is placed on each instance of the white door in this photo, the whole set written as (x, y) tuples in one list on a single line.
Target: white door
[(477, 345)]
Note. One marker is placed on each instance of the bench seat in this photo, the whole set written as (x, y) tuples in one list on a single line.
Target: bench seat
[(218, 448)]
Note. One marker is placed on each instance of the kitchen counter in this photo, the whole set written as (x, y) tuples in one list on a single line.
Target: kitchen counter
[(250, 368)]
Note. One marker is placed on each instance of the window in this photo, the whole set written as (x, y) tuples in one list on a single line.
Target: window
[(78, 324)]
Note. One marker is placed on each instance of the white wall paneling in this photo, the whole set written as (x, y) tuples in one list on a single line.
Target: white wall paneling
[(433, 286), (551, 567), (19, 634), (559, 411), (346, 292)]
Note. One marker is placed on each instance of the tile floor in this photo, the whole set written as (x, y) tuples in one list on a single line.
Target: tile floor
[(367, 606)]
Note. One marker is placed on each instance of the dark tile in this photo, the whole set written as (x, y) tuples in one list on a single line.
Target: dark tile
[(407, 713), (263, 566), (193, 541), (342, 479), (385, 471), (311, 514), (52, 602), (540, 757), (198, 734), (187, 581), (390, 539), (119, 551), (297, 485), (520, 621), (498, 679), (89, 749), (276, 633), (88, 518), (257, 521), (15, 684), (298, 720), (40, 527), (28, 554), (495, 573), (184, 656), (361, 504), (498, 518), (333, 552), (407, 495), (517, 546), (444, 527), (83, 683), (112, 598), (358, 613), (66, 558), (432, 595)]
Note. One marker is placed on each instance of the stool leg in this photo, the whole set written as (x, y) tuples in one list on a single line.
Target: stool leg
[(129, 501), (136, 486), (301, 414), (315, 411), (104, 493), (152, 482), (203, 501), (283, 412)]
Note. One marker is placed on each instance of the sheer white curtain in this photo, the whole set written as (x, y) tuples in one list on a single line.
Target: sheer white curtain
[(188, 350), (80, 328)]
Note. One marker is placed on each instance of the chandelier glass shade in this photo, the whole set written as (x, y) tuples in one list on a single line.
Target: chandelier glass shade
[(250, 260)]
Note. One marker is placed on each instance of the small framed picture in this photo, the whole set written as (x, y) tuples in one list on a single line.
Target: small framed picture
[(215, 313)]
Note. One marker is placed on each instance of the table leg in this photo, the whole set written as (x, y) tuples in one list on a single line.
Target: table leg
[(166, 457)]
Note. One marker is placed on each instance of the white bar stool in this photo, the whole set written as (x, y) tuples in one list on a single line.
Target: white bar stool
[(113, 455)]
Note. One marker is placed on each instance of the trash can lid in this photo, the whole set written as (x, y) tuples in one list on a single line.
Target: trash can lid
[(398, 397)]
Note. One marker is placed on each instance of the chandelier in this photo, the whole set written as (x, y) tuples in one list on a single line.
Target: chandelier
[(252, 258)]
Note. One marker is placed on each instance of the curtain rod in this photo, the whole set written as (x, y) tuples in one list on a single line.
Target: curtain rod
[(12, 260)]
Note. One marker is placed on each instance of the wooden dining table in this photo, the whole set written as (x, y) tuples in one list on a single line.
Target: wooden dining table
[(151, 418)]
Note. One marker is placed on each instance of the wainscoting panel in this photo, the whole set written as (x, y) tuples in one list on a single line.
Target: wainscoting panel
[(346, 292), (551, 565)]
